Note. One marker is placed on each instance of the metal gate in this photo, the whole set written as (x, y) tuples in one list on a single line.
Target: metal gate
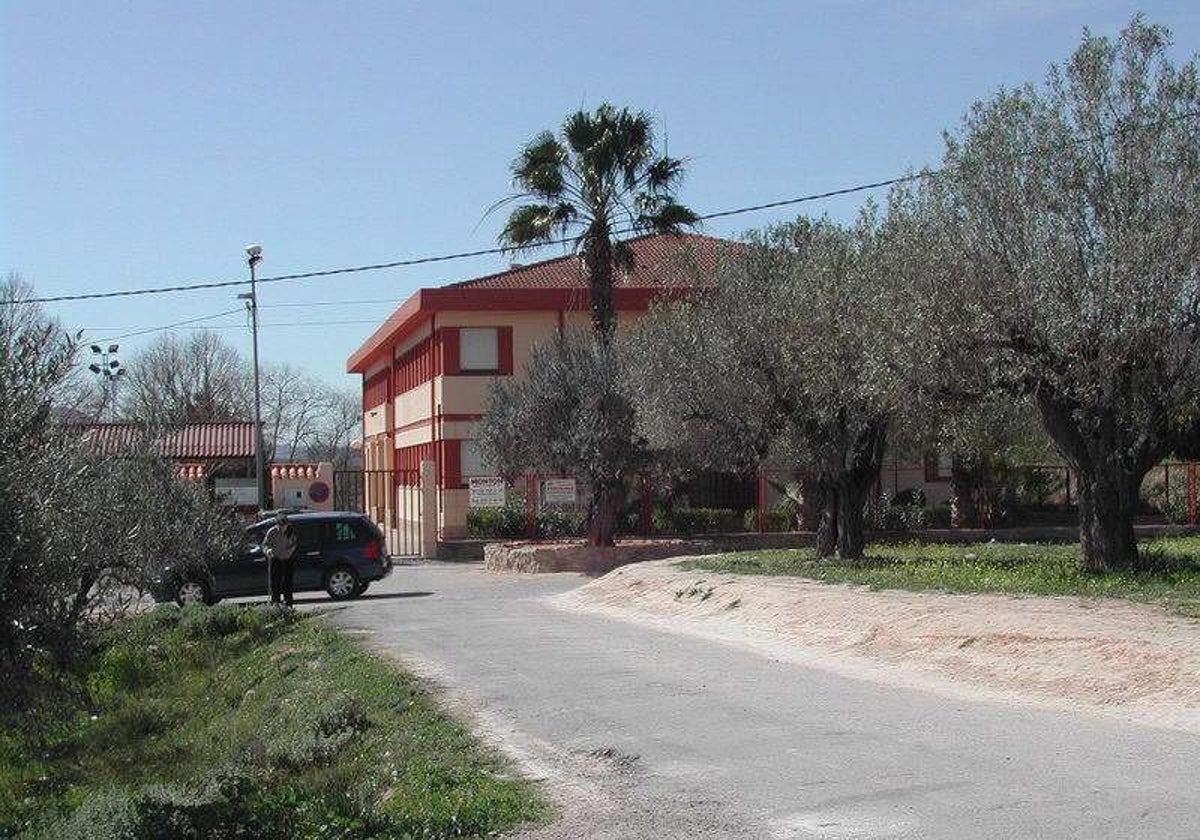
[(391, 498)]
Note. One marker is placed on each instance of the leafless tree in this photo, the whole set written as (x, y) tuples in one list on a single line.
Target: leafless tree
[(198, 377)]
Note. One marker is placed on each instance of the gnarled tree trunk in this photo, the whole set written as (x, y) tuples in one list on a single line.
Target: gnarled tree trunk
[(607, 507), (1108, 498), (853, 485), (1109, 456), (827, 520)]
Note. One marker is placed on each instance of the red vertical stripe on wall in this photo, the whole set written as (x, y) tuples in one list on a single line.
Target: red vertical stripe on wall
[(449, 351), (504, 338), (451, 463)]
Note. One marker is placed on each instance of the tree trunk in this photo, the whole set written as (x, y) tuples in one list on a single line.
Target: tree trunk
[(851, 533), (964, 483), (853, 486), (1107, 504), (1110, 457), (597, 259), (827, 524), (610, 502)]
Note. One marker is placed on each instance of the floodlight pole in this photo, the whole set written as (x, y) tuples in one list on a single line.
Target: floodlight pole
[(254, 257)]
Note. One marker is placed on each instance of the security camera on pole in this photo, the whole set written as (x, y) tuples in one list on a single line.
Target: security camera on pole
[(254, 257)]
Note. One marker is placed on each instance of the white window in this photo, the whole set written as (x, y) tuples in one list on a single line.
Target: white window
[(473, 462), (479, 348)]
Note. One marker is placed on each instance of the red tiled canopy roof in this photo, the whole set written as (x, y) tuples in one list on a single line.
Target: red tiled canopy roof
[(660, 261), (192, 441)]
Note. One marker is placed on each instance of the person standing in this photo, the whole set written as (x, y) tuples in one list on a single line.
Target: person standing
[(279, 545)]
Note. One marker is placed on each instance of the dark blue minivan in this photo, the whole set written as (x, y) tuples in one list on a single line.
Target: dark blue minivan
[(342, 553)]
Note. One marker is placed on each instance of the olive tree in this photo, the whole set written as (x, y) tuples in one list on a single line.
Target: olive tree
[(570, 414), (777, 361), (1056, 255), (81, 533)]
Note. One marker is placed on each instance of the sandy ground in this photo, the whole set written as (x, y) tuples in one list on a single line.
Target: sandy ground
[(1107, 657)]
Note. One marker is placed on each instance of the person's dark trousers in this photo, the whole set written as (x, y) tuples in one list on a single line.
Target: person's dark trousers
[(286, 579), (275, 579)]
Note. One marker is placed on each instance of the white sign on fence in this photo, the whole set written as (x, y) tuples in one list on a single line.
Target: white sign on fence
[(485, 491), (238, 492), (559, 491)]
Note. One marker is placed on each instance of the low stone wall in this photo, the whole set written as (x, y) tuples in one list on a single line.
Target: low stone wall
[(581, 557)]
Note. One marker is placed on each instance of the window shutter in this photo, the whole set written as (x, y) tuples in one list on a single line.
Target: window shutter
[(450, 351), (505, 340)]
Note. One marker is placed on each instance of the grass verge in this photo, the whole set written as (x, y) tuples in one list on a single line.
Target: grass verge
[(1171, 576), (248, 722)]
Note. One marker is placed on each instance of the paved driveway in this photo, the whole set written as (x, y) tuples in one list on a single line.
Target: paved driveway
[(642, 733)]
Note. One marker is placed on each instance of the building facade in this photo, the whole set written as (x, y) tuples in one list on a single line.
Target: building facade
[(426, 372)]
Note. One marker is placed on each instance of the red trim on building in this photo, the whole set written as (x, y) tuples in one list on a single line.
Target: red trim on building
[(375, 391), (504, 340), (547, 286), (448, 418), (450, 351)]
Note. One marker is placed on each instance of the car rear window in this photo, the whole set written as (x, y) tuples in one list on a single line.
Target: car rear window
[(344, 533)]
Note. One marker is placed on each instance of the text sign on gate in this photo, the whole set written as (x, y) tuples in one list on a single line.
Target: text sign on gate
[(485, 491), (559, 491)]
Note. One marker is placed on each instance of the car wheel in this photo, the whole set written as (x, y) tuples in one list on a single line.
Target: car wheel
[(342, 583), (192, 592)]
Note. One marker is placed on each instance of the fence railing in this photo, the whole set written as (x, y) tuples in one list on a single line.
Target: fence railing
[(772, 499)]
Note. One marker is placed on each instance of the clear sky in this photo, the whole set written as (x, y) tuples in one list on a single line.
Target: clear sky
[(145, 143)]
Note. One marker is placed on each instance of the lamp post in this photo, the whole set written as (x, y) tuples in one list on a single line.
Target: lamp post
[(254, 257), (110, 370)]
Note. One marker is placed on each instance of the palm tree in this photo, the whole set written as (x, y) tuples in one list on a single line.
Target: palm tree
[(601, 179)]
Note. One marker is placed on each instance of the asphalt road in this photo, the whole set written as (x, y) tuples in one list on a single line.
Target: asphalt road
[(643, 733)]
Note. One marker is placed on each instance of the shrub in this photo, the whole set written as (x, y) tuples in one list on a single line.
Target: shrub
[(226, 807), (508, 521), (684, 520), (778, 519), (559, 522)]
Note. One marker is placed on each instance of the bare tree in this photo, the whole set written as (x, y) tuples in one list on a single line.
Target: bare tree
[(339, 425), (195, 378)]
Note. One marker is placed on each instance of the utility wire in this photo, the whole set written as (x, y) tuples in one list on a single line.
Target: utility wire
[(926, 173), (432, 259), (171, 326)]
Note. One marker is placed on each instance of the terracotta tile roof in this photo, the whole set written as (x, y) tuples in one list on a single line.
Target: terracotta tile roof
[(660, 261), (193, 441)]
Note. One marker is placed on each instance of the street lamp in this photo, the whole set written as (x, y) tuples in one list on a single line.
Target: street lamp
[(253, 258), (106, 363)]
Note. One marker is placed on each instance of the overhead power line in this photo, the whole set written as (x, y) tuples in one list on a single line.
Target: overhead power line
[(329, 272), (401, 263)]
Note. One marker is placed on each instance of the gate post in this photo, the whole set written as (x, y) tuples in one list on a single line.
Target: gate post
[(428, 512)]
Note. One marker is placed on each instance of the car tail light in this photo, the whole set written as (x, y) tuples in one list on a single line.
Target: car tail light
[(372, 550)]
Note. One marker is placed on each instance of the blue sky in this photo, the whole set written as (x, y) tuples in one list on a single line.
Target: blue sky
[(144, 143)]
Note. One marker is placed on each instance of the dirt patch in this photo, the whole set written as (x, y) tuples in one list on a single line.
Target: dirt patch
[(1112, 657), (578, 556)]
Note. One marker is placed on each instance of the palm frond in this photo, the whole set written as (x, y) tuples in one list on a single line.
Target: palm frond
[(539, 167), (534, 224)]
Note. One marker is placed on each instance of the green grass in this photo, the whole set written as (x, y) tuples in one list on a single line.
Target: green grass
[(247, 722), (1172, 576)]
